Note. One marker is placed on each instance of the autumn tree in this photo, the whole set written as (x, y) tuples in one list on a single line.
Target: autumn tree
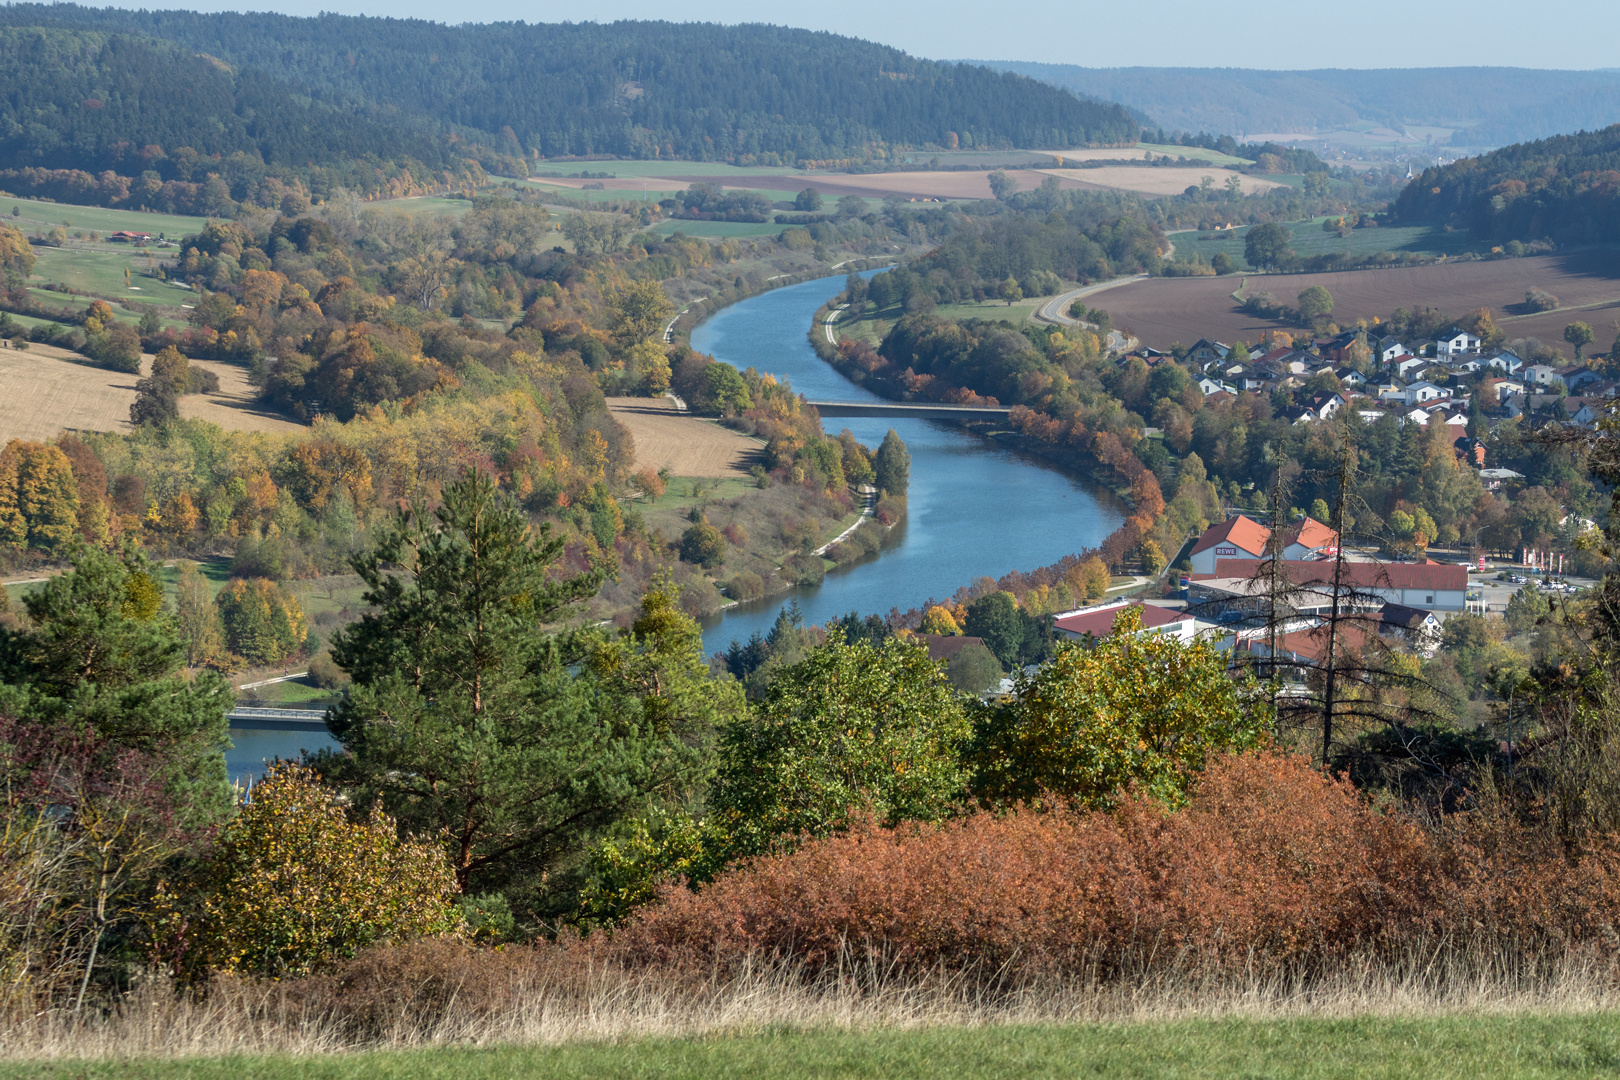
[(1143, 709), (262, 623), (892, 465), (16, 256), (637, 312), (39, 498), (1579, 335), (198, 617)]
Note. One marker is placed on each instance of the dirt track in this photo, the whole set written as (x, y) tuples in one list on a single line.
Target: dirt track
[(685, 445), (1164, 311)]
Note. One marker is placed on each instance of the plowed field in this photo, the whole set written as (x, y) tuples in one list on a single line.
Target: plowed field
[(1164, 311), (685, 445)]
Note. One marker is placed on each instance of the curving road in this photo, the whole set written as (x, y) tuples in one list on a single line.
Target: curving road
[(1056, 310)]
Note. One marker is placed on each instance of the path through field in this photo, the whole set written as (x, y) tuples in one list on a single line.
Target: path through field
[(685, 445)]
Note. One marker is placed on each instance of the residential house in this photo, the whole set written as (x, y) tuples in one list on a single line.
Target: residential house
[(1325, 405), (1503, 361), (1577, 377), (1387, 349), (1495, 479), (1350, 377), (1405, 367), (1205, 351), (1209, 386), (1417, 628), (1456, 341), (1543, 375)]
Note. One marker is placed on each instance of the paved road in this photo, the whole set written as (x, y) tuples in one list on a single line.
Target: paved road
[(251, 719), (1056, 310)]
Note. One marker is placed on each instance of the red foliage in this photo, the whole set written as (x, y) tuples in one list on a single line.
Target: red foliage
[(1271, 864)]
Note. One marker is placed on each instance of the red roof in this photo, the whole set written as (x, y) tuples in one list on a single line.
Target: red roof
[(1100, 624), (1313, 534), (1359, 575), (1241, 531)]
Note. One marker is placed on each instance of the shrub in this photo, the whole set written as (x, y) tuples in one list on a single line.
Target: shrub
[(1540, 300), (294, 886), (746, 586), (324, 673), (804, 569), (735, 534)]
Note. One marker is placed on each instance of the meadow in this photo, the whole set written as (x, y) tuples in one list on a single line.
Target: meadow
[(100, 272), (34, 215), (1311, 239)]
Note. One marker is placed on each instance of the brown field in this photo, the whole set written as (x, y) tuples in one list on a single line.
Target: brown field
[(48, 390), (1164, 311), (1158, 180), (685, 445)]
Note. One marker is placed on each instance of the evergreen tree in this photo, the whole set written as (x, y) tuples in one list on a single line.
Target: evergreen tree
[(893, 465), (468, 717)]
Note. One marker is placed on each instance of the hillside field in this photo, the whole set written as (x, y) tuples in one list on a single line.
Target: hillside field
[(683, 444), (36, 215), (1165, 311), (1310, 239)]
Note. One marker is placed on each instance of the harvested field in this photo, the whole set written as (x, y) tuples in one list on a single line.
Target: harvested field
[(1164, 311), (48, 390), (1158, 180), (685, 445)]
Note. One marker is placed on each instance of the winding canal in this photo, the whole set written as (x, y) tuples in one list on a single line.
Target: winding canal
[(974, 508)]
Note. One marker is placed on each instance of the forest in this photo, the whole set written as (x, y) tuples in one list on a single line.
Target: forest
[(745, 94), (1560, 189)]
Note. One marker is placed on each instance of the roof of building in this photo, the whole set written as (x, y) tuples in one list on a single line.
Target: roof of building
[(1407, 618), (1357, 575), (1099, 622), (1311, 644), (945, 646), (1241, 531), (1311, 533)]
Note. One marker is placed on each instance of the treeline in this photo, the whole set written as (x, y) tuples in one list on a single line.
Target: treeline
[(1562, 188), (114, 120), (749, 94)]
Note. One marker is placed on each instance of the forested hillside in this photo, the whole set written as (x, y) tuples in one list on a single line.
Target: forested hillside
[(1561, 188), (1492, 106), (632, 89)]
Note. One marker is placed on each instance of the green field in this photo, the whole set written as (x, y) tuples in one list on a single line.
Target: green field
[(1193, 153), (1310, 239), (32, 215), (873, 325), (1524, 1046), (427, 206), (660, 168), (101, 273)]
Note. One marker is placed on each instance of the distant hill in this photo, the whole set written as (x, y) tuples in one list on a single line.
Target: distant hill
[(628, 89), (1492, 106), (1566, 188)]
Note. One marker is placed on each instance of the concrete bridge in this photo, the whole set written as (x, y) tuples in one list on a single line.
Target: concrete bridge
[(904, 409), (250, 719)]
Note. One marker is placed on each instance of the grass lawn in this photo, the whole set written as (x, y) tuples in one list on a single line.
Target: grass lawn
[(33, 215), (873, 325), (102, 273), (1310, 239), (1522, 1046)]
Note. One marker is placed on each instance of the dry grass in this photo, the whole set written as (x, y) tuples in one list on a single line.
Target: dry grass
[(605, 1004), (685, 445), (1159, 180), (49, 390)]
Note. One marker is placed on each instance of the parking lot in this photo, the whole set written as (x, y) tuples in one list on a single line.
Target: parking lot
[(1496, 594)]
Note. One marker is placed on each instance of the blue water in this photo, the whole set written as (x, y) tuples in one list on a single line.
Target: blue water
[(974, 508), (253, 750)]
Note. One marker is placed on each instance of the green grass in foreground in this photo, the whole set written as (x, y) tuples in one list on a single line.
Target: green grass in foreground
[(1460, 1046)]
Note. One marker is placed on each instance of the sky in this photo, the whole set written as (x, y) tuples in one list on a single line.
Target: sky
[(1277, 34)]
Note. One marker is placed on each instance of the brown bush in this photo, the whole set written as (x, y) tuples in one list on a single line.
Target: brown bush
[(1271, 865)]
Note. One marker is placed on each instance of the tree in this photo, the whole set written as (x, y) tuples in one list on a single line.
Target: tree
[(1001, 185), (937, 620), (1268, 246), (808, 200), (850, 726), (638, 312), (294, 887), (996, 619), (892, 465), (262, 623), (1315, 303), (1132, 709), (1010, 291), (16, 256), (39, 498), (171, 366), (156, 403), (703, 545), (468, 716), (1578, 334), (198, 617), (849, 206), (973, 669)]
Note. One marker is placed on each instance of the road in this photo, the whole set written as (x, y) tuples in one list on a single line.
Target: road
[(1056, 310)]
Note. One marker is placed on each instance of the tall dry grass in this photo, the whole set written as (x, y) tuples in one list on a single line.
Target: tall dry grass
[(535, 999)]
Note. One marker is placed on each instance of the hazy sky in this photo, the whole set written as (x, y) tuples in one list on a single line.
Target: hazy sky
[(1192, 33)]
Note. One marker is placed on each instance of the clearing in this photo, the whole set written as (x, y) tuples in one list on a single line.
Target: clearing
[(35, 215), (49, 390), (683, 444), (1165, 311), (1529, 1045), (1310, 239)]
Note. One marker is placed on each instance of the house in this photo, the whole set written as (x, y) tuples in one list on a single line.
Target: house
[(1466, 366), (1349, 376), (1577, 377), (1388, 349), (1241, 535), (1300, 414), (1505, 388), (1371, 416), (1417, 628), (1543, 375), (1097, 621), (1325, 405), (1414, 415), (1429, 585), (123, 237), (1208, 386), (1232, 538), (1583, 412), (1456, 341), (942, 648), (1204, 351), (1493, 479), (1405, 367), (1420, 392), (1503, 361), (1308, 647)]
